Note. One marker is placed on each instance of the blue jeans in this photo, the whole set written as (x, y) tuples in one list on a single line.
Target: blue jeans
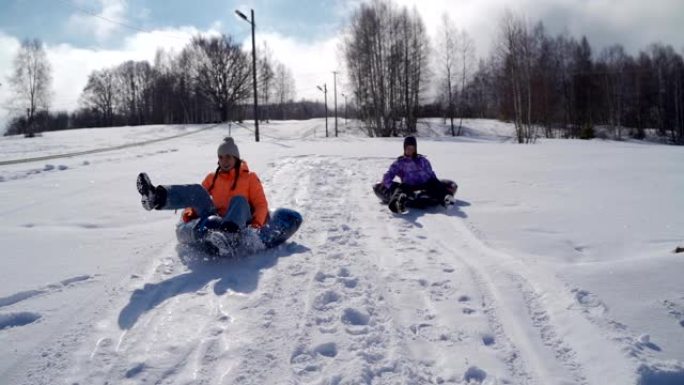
[(196, 197)]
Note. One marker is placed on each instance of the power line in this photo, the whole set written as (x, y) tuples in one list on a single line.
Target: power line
[(119, 23)]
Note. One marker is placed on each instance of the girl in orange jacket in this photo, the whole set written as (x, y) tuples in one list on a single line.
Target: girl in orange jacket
[(232, 192)]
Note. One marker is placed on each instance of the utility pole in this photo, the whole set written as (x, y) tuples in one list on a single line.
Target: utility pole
[(254, 73), (254, 81), (345, 108), (325, 93), (335, 91)]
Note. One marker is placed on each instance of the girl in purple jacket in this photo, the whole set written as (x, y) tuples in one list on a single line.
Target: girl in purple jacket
[(415, 173)]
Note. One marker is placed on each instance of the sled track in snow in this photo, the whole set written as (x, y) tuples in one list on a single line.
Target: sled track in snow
[(105, 149), (515, 312), (357, 310), (340, 326), (359, 295), (448, 294)]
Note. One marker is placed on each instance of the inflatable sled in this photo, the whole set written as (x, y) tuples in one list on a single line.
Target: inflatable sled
[(205, 235), (417, 199)]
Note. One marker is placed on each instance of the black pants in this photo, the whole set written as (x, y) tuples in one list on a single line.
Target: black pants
[(434, 188)]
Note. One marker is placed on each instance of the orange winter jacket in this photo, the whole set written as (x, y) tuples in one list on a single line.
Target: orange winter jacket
[(248, 186)]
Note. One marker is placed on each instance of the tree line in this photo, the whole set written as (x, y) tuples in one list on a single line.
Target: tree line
[(547, 86), (555, 86), (208, 81)]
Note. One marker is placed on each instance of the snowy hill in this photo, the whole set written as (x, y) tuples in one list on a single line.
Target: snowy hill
[(555, 267)]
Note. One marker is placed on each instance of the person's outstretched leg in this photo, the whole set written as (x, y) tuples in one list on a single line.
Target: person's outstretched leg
[(173, 197), (438, 191), (187, 195), (237, 215)]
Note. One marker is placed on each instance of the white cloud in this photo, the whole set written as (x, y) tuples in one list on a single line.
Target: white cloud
[(9, 46), (102, 24), (633, 23), (71, 66), (311, 64)]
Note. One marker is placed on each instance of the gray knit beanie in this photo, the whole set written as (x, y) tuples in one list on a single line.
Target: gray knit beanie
[(228, 147)]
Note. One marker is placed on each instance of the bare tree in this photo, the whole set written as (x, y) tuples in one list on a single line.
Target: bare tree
[(516, 56), (266, 77), (418, 68), (283, 87), (446, 47), (99, 95), (223, 72), (614, 61), (466, 58), (31, 80), (186, 73), (134, 81), (386, 52)]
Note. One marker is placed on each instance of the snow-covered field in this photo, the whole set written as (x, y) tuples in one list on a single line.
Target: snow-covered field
[(555, 267)]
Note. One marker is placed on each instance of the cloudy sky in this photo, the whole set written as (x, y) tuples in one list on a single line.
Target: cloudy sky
[(84, 35)]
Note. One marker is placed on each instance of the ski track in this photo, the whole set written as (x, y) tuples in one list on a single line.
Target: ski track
[(334, 299)]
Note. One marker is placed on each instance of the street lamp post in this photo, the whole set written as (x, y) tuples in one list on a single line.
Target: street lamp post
[(335, 92), (325, 93), (254, 73), (345, 108)]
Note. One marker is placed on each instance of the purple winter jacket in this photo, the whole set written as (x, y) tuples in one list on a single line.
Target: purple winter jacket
[(411, 171)]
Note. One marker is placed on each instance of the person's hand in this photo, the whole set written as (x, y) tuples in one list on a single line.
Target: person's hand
[(188, 215)]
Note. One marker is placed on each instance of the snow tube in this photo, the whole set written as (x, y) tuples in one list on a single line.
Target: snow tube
[(282, 224), (418, 199)]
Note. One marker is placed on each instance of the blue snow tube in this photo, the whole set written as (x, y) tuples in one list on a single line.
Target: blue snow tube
[(283, 223)]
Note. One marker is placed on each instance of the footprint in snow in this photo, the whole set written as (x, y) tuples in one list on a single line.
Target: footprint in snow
[(644, 341), (355, 317), (474, 375), (11, 320), (134, 371), (326, 300), (328, 349), (676, 310), (307, 362), (654, 375), (349, 283), (589, 302), (488, 340), (24, 295)]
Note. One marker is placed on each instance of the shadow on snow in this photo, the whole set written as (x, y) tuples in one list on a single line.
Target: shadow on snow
[(415, 213), (239, 275)]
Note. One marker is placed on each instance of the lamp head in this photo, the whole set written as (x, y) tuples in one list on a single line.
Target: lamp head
[(242, 15)]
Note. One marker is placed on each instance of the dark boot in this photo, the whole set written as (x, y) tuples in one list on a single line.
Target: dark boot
[(448, 201), (151, 197), (397, 203)]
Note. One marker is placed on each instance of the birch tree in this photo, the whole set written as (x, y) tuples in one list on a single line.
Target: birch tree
[(31, 80)]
